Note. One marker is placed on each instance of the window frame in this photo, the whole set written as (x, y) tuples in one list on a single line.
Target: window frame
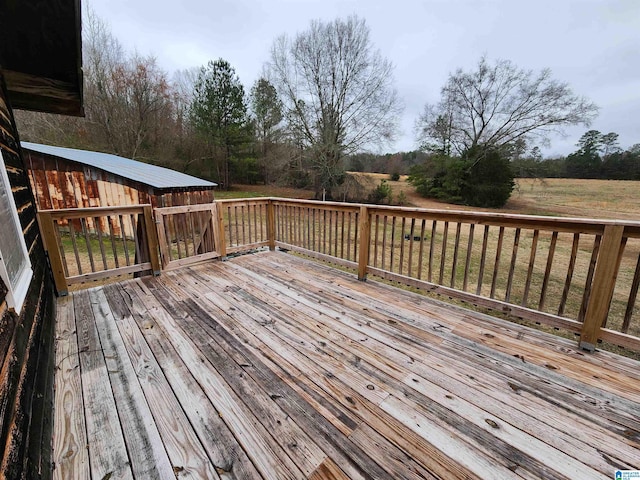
[(17, 293)]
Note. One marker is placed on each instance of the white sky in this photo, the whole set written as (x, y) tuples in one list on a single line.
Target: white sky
[(594, 45)]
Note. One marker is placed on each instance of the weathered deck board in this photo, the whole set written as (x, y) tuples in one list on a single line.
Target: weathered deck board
[(229, 460), (146, 451), (277, 367), (105, 439), (71, 460)]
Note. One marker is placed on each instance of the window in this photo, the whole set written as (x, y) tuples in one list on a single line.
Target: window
[(15, 267)]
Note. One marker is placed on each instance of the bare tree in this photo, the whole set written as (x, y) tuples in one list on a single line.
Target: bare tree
[(128, 97), (497, 104), (337, 92)]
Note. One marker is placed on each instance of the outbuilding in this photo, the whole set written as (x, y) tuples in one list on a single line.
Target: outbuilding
[(71, 178)]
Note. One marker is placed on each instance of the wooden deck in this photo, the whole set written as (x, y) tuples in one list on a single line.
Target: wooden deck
[(270, 366)]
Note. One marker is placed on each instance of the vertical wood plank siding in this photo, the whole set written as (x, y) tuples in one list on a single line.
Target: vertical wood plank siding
[(27, 340)]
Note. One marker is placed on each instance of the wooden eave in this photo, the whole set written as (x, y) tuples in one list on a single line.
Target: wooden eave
[(41, 55)]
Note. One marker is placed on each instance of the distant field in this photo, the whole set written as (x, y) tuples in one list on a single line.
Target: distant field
[(617, 199)]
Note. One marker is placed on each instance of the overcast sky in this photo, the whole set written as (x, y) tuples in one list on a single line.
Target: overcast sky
[(594, 45)]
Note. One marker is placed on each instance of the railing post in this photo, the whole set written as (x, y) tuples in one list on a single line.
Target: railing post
[(365, 235), (604, 282), (221, 244), (271, 225), (50, 241), (152, 239)]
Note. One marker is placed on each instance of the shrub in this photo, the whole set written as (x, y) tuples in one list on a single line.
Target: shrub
[(394, 177), (481, 177), (382, 193)]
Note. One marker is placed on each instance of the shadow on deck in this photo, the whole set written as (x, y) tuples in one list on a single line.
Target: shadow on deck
[(271, 366)]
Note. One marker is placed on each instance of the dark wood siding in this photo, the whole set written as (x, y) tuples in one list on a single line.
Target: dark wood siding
[(27, 340)]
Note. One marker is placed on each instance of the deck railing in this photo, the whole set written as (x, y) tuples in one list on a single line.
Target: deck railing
[(574, 274), (89, 244)]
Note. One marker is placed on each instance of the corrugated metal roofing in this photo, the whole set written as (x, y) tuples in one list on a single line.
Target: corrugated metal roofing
[(152, 175)]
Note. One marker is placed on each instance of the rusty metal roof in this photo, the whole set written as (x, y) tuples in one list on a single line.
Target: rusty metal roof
[(152, 175)]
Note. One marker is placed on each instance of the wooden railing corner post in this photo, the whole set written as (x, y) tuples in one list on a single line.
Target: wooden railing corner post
[(52, 248), (152, 239), (271, 224), (365, 237), (604, 282), (220, 241)]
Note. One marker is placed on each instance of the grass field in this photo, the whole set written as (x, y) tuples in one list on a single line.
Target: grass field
[(615, 199)]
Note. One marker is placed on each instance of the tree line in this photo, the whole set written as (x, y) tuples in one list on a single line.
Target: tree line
[(325, 93), (325, 101)]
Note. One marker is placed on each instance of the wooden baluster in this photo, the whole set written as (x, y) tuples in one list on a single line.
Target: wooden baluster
[(85, 233), (72, 233), (384, 242), (467, 261), (483, 259), (532, 261), (431, 246), (356, 227), (113, 241), (97, 223), (342, 235), (443, 255), (496, 265), (567, 283), (402, 242), (124, 240), (512, 267), (246, 224), (547, 272), (411, 235), (455, 255), (421, 250), (393, 242), (375, 246)]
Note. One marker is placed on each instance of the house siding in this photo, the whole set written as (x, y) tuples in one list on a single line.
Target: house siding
[(26, 340)]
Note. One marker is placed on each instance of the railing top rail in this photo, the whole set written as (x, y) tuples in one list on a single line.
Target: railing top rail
[(94, 211), (201, 207), (246, 201)]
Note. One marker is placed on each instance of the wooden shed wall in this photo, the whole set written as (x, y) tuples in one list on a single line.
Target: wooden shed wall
[(59, 183), (27, 340)]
